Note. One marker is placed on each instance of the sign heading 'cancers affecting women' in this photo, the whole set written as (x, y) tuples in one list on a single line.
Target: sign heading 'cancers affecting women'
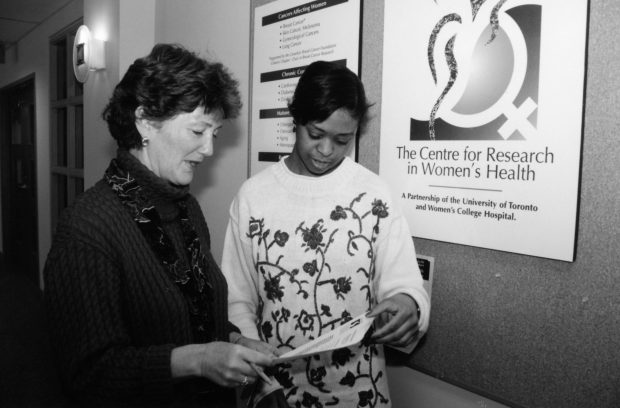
[(288, 36), (481, 123)]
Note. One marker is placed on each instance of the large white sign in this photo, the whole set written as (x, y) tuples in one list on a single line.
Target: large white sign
[(288, 36), (481, 122)]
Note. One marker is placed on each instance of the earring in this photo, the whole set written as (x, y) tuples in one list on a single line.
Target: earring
[(145, 141)]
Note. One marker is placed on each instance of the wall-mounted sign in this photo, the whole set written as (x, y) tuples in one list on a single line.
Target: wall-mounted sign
[(481, 122), (288, 36)]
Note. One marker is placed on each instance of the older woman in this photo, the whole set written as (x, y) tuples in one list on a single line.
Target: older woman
[(137, 304)]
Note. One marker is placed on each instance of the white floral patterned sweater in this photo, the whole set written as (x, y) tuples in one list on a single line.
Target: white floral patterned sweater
[(304, 255)]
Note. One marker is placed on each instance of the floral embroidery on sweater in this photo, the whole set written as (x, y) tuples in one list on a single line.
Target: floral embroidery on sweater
[(318, 297)]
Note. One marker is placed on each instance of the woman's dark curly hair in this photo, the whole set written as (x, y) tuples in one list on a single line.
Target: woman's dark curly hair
[(325, 87), (169, 81)]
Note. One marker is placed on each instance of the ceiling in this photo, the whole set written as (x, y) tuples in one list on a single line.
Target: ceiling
[(20, 17)]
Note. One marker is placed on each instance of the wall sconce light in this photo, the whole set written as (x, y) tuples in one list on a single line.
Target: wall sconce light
[(88, 54)]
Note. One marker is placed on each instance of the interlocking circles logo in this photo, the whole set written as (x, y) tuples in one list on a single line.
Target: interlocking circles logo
[(485, 68)]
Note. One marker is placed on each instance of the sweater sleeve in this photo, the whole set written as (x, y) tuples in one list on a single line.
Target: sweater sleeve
[(397, 268), (95, 352), (238, 268)]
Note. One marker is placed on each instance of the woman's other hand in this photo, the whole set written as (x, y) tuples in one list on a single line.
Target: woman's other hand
[(226, 364), (397, 318)]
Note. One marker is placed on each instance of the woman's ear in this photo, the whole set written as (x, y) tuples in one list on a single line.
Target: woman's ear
[(142, 124)]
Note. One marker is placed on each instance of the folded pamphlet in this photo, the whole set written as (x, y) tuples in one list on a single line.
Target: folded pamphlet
[(346, 335)]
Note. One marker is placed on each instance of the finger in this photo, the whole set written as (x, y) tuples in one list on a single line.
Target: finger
[(399, 339), (259, 371), (271, 349), (401, 336), (391, 336), (261, 359), (244, 380), (393, 339), (263, 347), (278, 352), (260, 346), (402, 318), (387, 306), (236, 378), (257, 357), (395, 329)]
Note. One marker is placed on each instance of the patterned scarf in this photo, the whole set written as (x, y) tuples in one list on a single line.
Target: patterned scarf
[(191, 279)]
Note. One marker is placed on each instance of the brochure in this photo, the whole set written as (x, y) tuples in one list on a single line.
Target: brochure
[(346, 335)]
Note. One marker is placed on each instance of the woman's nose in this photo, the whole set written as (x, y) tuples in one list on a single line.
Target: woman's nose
[(325, 147), (207, 147)]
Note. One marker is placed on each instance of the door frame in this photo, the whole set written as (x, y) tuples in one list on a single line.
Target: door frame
[(5, 135)]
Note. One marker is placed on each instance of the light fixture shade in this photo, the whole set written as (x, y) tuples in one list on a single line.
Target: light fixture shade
[(88, 54), (97, 54)]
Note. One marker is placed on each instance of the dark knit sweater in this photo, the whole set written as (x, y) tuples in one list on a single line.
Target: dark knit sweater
[(115, 313)]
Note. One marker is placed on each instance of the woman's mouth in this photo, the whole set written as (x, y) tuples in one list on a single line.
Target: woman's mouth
[(320, 164)]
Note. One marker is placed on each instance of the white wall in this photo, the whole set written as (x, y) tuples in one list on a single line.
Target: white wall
[(31, 56), (136, 31), (129, 32), (102, 18), (219, 30)]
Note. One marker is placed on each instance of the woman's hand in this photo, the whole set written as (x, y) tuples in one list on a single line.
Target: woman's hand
[(398, 320), (226, 364)]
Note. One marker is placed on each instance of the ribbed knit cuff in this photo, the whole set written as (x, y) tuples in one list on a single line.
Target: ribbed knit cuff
[(158, 372)]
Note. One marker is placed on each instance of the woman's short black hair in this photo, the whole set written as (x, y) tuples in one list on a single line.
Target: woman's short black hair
[(169, 81), (325, 87)]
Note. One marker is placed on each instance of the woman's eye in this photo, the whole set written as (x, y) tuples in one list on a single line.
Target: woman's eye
[(198, 132), (343, 141)]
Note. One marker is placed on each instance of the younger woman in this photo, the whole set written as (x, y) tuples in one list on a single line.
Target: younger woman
[(316, 240)]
